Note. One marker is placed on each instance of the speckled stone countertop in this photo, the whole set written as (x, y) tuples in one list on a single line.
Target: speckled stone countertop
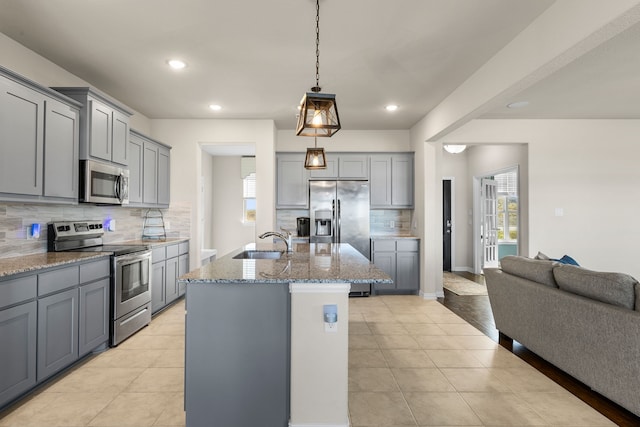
[(26, 263), (309, 263)]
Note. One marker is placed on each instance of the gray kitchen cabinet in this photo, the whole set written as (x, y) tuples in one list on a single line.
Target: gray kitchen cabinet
[(168, 263), (93, 326), (219, 385), (22, 136), (343, 166), (164, 176), (48, 319), (158, 299), (18, 335), (172, 280), (104, 125), (135, 170), (353, 166), (149, 171), (61, 150), (331, 172), (400, 259), (40, 127), (391, 181), (183, 264), (57, 332), (292, 189)]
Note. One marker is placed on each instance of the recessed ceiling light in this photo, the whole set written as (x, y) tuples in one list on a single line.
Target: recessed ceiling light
[(391, 107), (215, 107), (176, 64), (518, 104)]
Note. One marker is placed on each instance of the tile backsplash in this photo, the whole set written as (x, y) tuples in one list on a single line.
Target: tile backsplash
[(382, 221), (16, 218)]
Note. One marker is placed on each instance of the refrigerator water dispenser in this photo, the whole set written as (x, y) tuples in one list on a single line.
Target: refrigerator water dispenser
[(323, 222)]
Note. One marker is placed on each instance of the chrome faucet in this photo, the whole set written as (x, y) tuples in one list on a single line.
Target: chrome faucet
[(286, 239)]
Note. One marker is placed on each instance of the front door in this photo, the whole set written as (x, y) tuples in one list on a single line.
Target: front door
[(446, 225), (489, 225)]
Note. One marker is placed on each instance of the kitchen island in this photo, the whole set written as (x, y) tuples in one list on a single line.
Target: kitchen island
[(258, 349)]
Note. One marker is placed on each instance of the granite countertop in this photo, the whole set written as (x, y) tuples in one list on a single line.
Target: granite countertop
[(26, 263), (309, 263)]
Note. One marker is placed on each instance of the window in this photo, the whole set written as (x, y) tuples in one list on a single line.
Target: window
[(249, 198), (507, 206)]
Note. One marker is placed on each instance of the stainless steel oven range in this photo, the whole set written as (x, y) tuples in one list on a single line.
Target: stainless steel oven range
[(130, 308)]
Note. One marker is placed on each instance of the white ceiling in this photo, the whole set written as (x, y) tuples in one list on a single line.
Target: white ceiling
[(256, 58)]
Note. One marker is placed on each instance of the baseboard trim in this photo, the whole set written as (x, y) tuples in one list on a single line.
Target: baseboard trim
[(320, 425), (431, 295)]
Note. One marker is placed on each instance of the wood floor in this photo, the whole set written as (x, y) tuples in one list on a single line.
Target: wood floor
[(477, 311)]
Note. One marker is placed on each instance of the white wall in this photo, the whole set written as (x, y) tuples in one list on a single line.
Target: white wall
[(229, 232), (589, 169), (186, 137), (206, 207)]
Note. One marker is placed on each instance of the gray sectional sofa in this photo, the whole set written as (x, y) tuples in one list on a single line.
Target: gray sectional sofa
[(586, 323)]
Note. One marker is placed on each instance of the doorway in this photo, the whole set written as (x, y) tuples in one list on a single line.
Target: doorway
[(496, 217)]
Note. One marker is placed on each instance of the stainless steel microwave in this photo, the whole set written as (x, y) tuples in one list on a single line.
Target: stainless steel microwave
[(102, 183)]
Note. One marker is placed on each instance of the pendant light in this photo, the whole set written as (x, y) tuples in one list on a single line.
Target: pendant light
[(315, 158), (318, 111)]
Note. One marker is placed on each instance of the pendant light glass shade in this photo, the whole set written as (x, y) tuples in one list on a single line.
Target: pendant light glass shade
[(315, 159), (318, 115)]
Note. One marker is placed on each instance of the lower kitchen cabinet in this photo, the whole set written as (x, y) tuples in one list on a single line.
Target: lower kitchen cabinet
[(400, 259), (168, 263), (18, 350), (57, 332), (93, 327), (48, 319)]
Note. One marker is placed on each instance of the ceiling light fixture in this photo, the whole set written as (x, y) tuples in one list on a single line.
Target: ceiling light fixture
[(177, 64), (318, 111), (454, 148), (215, 107), (391, 107), (518, 104)]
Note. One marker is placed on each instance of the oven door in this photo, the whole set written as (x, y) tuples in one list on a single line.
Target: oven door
[(132, 282)]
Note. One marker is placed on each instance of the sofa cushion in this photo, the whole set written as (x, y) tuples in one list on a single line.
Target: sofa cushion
[(611, 288), (537, 270)]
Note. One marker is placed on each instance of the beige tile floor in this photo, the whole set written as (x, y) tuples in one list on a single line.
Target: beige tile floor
[(412, 363)]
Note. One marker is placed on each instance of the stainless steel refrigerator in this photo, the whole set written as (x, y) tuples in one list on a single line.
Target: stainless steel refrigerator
[(339, 212)]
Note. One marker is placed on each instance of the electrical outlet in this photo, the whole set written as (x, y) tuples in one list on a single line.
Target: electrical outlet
[(167, 225), (331, 327), (392, 224)]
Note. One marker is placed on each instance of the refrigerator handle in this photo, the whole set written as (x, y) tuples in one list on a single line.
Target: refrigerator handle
[(339, 223), (334, 219)]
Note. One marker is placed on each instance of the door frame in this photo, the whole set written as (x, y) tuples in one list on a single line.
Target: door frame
[(453, 220), (477, 186)]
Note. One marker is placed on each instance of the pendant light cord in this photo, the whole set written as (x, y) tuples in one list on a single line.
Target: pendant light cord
[(317, 87)]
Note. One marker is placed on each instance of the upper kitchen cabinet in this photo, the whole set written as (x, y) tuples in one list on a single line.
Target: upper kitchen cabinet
[(149, 169), (391, 181), (104, 126), (292, 190), (343, 166), (39, 136)]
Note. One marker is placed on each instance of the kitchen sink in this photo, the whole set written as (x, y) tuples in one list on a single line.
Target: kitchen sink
[(252, 254)]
